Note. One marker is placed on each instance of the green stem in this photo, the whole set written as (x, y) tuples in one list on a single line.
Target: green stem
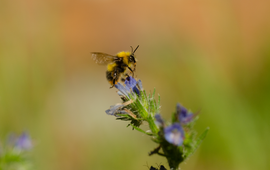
[(152, 124)]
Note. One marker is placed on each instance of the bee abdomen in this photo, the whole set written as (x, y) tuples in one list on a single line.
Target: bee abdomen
[(113, 76), (109, 75)]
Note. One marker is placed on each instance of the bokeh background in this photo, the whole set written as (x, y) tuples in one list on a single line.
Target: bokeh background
[(212, 56)]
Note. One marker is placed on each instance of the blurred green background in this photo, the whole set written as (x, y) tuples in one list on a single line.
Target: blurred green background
[(212, 56)]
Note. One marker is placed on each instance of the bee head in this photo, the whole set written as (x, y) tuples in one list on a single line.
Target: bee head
[(131, 57)]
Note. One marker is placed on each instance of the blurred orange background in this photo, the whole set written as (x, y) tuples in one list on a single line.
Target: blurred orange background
[(212, 56)]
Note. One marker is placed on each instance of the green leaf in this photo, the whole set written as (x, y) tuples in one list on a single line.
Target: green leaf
[(140, 130), (152, 103), (153, 94), (196, 144)]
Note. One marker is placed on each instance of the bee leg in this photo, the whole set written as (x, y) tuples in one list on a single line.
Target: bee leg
[(124, 76), (131, 71), (113, 84)]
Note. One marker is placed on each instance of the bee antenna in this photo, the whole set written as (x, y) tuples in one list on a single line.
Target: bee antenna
[(135, 49)]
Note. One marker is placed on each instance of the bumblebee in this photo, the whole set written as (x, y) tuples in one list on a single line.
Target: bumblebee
[(116, 65)]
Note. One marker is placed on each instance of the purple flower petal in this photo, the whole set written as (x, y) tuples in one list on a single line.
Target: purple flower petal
[(114, 109), (174, 134), (139, 83), (23, 142), (131, 83), (122, 89), (159, 121), (187, 119), (183, 116)]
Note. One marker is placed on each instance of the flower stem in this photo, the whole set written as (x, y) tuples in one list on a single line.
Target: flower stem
[(152, 125)]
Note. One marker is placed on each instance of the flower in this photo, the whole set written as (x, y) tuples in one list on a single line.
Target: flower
[(184, 116), (23, 142), (118, 108), (131, 83), (159, 121), (114, 109), (122, 90), (174, 134), (139, 83)]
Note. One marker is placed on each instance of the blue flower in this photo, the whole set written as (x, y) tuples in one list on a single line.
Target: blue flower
[(122, 90), (114, 109), (23, 142), (117, 109), (174, 134), (184, 116), (159, 121), (131, 83), (139, 83)]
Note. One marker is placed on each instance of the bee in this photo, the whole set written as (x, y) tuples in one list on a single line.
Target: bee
[(116, 65)]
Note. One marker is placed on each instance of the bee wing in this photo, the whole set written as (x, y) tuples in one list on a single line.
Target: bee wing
[(103, 58)]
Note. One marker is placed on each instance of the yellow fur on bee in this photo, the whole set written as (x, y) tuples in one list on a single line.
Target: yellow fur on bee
[(124, 55), (111, 66)]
